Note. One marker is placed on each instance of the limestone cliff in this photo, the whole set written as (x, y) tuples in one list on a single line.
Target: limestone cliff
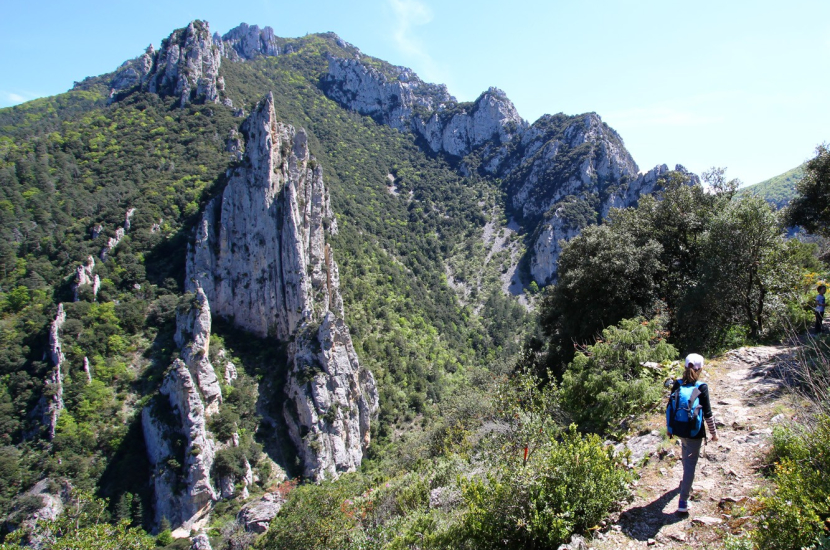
[(403, 101), (247, 42), (568, 217), (84, 277), (261, 257), (186, 66), (560, 173), (189, 394), (51, 404)]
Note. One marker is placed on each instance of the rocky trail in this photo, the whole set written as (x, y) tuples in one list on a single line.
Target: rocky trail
[(748, 398)]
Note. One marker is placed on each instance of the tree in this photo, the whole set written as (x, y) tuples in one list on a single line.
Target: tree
[(605, 274), (747, 263), (810, 208)]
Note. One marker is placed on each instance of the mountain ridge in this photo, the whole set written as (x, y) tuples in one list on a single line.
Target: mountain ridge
[(416, 180)]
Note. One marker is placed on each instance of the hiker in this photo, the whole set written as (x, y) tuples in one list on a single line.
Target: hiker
[(819, 309), (689, 405)]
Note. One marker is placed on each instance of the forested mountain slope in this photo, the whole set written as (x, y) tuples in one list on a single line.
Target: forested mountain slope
[(137, 210)]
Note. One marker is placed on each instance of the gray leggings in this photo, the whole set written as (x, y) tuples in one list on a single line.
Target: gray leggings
[(689, 453)]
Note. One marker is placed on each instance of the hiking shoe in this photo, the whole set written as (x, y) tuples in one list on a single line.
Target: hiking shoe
[(682, 507)]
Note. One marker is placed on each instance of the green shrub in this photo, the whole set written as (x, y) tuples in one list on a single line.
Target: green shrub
[(794, 515), (567, 486), (316, 516), (606, 382)]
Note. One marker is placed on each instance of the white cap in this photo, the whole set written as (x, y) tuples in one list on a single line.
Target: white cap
[(694, 361)]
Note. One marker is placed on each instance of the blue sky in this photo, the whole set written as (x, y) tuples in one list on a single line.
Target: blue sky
[(739, 84)]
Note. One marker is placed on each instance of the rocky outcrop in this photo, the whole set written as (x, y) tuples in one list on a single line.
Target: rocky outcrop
[(391, 99), (43, 502), (132, 73), (567, 219), (51, 403), (491, 119), (112, 242), (182, 508), (261, 257), (189, 394), (260, 253), (200, 542), (257, 515), (247, 42), (547, 168), (84, 276), (120, 233), (193, 337), (331, 400), (403, 101)]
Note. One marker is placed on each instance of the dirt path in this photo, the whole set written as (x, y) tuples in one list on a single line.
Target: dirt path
[(748, 399)]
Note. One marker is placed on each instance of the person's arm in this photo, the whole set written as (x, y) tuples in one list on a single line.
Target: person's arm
[(708, 415)]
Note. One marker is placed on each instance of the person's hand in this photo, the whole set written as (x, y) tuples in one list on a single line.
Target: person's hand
[(714, 438)]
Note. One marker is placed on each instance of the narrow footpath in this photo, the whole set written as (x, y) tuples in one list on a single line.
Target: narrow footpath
[(749, 397)]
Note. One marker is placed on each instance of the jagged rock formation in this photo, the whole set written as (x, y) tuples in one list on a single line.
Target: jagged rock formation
[(261, 257), (200, 542), (257, 515), (51, 403), (569, 216), (189, 394), (561, 173), (186, 67), (193, 337), (84, 276), (45, 501), (247, 42), (405, 102), (132, 73), (112, 242)]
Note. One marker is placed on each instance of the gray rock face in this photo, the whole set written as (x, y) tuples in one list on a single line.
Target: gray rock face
[(331, 400), (547, 167), (133, 72), (563, 224), (186, 508), (261, 257), (192, 393), (257, 515), (492, 119), (405, 102), (193, 337), (200, 542), (391, 99), (53, 497), (187, 67), (84, 276), (112, 242), (247, 42), (51, 403), (260, 253)]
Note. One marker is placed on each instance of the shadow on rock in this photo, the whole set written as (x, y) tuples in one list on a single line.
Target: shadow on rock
[(644, 522)]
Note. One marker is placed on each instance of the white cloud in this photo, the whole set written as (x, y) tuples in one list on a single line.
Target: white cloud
[(7, 98), (408, 15)]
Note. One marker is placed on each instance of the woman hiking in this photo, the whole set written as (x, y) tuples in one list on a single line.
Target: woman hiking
[(689, 404)]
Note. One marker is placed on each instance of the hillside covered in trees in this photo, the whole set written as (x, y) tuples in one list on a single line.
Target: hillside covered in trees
[(270, 292)]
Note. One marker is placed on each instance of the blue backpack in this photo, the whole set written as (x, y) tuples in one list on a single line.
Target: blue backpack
[(684, 414)]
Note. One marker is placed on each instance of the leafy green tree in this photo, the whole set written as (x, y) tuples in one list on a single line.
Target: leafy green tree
[(83, 525), (810, 208), (605, 274), (748, 268)]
